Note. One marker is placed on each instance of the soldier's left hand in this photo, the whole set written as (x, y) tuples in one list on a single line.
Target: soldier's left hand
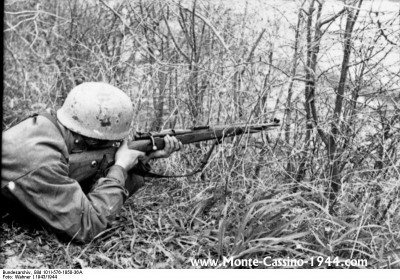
[(171, 145)]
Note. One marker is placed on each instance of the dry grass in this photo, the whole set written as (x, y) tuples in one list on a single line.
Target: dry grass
[(227, 212), (169, 222)]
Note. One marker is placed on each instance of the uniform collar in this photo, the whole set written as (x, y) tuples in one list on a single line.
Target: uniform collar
[(74, 141)]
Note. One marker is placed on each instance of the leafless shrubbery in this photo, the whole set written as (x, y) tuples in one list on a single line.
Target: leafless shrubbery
[(327, 182)]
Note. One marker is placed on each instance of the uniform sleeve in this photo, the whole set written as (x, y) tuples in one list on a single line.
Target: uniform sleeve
[(135, 178), (59, 202)]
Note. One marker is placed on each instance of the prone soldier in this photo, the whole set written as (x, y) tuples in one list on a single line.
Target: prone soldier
[(35, 162)]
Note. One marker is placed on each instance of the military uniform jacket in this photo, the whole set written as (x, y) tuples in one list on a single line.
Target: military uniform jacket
[(34, 178)]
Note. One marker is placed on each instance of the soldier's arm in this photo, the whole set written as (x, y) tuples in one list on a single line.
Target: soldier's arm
[(59, 202)]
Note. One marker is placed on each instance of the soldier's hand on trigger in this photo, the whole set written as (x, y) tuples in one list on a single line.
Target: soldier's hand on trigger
[(171, 145), (127, 158)]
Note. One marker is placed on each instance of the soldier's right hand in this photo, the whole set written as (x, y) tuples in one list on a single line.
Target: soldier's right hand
[(127, 158)]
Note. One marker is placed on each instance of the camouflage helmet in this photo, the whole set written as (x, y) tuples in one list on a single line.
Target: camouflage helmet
[(97, 110)]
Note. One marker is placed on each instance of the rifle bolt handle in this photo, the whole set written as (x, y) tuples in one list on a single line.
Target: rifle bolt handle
[(153, 142), (94, 163)]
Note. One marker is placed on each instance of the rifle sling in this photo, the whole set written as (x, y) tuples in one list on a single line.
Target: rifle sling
[(198, 168)]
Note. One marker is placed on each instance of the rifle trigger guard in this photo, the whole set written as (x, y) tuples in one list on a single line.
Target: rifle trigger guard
[(153, 142)]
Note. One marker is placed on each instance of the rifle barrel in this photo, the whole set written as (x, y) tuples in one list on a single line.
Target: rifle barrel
[(147, 143)]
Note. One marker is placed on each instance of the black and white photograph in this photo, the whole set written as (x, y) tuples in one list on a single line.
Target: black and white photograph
[(199, 134)]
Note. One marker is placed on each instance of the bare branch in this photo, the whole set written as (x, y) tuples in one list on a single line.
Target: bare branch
[(384, 35), (332, 18), (130, 30), (255, 45), (174, 41), (207, 22)]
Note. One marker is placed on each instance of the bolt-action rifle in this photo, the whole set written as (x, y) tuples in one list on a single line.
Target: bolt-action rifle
[(88, 163)]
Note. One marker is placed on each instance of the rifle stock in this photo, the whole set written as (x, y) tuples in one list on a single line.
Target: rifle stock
[(87, 163)]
